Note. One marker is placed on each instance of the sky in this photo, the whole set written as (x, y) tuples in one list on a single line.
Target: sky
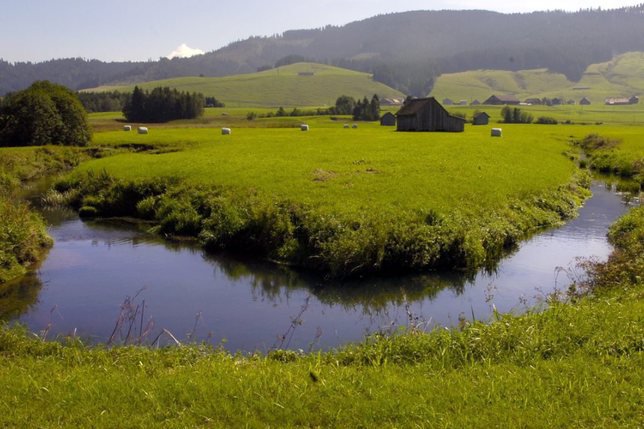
[(141, 30)]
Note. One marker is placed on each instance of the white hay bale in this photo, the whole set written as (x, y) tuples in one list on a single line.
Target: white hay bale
[(143, 130), (226, 131), (346, 125), (304, 127), (497, 132), (127, 128), (354, 126)]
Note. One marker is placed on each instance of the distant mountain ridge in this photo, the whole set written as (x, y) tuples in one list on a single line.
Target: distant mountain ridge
[(403, 50)]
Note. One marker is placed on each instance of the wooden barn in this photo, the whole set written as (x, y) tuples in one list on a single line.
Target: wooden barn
[(499, 100), (427, 114), (388, 120), (481, 119), (584, 102)]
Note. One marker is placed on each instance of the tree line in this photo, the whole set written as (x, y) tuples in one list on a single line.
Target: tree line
[(162, 104), (563, 42)]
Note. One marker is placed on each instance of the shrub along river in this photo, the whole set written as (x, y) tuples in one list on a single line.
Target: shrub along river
[(111, 281)]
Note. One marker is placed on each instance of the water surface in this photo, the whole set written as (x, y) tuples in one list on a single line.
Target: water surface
[(94, 266)]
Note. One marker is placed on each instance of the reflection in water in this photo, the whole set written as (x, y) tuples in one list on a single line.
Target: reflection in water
[(18, 297), (94, 266)]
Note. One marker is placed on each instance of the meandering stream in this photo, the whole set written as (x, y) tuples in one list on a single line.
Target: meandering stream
[(248, 305)]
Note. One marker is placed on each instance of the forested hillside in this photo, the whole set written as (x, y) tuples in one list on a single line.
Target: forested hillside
[(403, 50)]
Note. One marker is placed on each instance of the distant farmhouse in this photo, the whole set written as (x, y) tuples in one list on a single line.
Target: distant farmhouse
[(584, 102), (499, 100), (388, 120), (481, 119), (448, 102), (475, 103), (427, 114), (621, 101)]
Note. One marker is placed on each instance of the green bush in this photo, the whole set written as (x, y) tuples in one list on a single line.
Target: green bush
[(43, 114)]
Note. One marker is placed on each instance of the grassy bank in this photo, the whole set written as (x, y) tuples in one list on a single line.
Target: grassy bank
[(620, 153), (23, 237), (341, 201), (572, 365)]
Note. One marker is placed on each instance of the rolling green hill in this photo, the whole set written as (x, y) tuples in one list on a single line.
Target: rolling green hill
[(620, 77), (301, 84)]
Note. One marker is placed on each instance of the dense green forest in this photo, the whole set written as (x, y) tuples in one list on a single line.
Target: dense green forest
[(162, 105), (404, 50)]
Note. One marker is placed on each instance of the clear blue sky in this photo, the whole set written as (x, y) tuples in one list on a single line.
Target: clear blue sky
[(37, 30)]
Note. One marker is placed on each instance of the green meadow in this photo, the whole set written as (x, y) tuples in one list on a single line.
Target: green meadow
[(348, 201), (342, 200), (301, 84), (620, 77)]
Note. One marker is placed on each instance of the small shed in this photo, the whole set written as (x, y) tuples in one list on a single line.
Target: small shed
[(388, 120), (475, 103), (427, 114), (584, 102), (500, 100), (448, 101), (481, 119)]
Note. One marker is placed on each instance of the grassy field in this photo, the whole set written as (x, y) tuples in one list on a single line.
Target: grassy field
[(359, 195), (620, 77), (355, 170), (345, 201), (286, 86)]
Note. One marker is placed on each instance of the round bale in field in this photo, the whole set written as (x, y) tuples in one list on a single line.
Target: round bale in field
[(304, 127), (497, 132), (226, 131), (127, 128), (346, 125), (143, 130), (354, 126)]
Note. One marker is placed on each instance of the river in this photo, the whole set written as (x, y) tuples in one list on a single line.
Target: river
[(82, 288)]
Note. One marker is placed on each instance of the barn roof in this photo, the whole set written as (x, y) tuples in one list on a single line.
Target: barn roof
[(481, 114), (417, 104), (506, 98)]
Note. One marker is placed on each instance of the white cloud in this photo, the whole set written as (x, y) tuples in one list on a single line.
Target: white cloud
[(184, 51)]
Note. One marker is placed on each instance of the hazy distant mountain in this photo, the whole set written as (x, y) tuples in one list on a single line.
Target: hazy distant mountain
[(404, 50)]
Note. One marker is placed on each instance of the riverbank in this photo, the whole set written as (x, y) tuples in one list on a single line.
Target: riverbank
[(576, 364), (23, 235)]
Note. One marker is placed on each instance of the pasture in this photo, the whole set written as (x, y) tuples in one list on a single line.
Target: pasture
[(620, 77), (301, 84), (351, 171), (342, 200)]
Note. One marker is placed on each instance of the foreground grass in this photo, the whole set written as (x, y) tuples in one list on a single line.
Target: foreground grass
[(572, 365)]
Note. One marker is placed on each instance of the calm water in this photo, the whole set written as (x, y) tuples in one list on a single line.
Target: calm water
[(94, 266)]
